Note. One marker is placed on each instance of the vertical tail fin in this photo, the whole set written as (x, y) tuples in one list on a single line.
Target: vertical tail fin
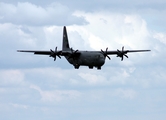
[(65, 44)]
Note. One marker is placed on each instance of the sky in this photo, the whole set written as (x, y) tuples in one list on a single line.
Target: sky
[(34, 87)]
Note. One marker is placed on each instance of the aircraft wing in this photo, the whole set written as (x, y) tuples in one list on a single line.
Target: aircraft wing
[(126, 51), (62, 53), (120, 53), (53, 54), (36, 52)]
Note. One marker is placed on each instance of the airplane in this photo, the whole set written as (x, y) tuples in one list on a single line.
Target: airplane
[(82, 58)]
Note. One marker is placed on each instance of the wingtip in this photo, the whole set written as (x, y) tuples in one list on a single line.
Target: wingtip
[(20, 51)]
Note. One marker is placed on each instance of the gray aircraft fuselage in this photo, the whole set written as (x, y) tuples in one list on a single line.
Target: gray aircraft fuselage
[(88, 58)]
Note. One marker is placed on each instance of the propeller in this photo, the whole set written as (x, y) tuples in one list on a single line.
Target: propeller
[(73, 53), (55, 53), (122, 53), (105, 53)]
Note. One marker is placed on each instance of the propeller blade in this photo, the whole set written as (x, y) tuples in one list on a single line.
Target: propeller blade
[(76, 51), (108, 57), (102, 51), (122, 53), (71, 50), (105, 53), (73, 54), (122, 48), (55, 53), (56, 50), (59, 56), (106, 49), (126, 56), (54, 58), (122, 58), (119, 51), (51, 50)]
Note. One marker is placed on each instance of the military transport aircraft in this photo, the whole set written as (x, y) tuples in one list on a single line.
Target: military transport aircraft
[(82, 58)]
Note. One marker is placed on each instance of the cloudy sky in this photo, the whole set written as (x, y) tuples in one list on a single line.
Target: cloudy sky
[(37, 88)]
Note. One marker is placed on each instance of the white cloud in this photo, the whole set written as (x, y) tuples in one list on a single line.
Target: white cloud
[(25, 13), (11, 77), (110, 29), (126, 93), (56, 95), (18, 106), (16, 35), (161, 37), (92, 79)]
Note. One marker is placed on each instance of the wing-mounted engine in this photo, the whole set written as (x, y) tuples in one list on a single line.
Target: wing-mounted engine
[(105, 53), (73, 56), (122, 53), (55, 53)]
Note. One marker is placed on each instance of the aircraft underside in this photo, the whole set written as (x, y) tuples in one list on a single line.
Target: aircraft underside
[(90, 61)]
